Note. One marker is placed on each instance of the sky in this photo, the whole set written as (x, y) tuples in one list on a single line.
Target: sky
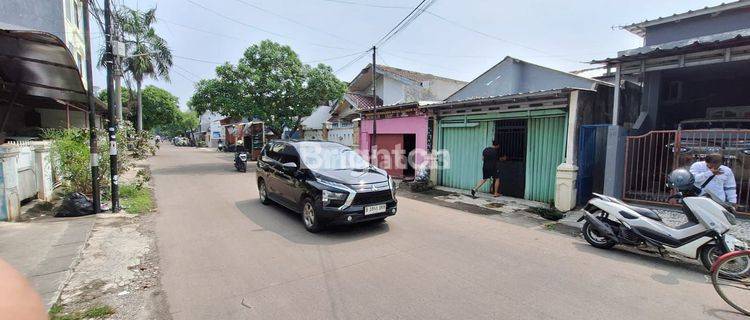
[(560, 34)]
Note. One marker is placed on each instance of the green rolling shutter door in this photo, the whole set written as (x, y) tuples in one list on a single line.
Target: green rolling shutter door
[(545, 150), (465, 144)]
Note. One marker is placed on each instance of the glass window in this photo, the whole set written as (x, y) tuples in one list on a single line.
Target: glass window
[(68, 10), (77, 9), (289, 154)]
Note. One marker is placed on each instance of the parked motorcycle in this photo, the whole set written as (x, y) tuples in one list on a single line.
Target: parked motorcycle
[(609, 222), (221, 146)]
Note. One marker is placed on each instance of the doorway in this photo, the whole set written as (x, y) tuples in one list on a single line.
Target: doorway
[(410, 143), (511, 134)]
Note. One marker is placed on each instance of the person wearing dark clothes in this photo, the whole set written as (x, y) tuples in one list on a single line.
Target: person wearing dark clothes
[(490, 157)]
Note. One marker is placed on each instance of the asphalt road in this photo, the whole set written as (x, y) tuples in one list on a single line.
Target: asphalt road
[(226, 256)]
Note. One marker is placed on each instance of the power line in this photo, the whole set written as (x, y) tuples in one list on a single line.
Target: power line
[(261, 29), (352, 62), (367, 4), (198, 60), (292, 20), (184, 76), (396, 29), (201, 30), (334, 58), (186, 70), (491, 36)]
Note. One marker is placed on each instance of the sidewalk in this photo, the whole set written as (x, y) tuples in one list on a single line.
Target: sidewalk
[(45, 250)]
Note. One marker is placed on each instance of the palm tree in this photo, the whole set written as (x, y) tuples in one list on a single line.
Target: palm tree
[(148, 53)]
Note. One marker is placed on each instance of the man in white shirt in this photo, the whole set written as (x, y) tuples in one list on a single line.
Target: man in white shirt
[(722, 184)]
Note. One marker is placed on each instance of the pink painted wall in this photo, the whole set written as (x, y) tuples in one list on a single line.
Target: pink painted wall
[(416, 125)]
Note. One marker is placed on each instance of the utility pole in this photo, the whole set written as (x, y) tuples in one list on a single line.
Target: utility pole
[(111, 112), (373, 143), (96, 196)]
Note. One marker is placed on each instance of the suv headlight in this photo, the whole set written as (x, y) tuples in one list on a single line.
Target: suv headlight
[(328, 196)]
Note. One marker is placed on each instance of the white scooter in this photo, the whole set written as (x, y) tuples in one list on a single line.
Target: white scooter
[(609, 222)]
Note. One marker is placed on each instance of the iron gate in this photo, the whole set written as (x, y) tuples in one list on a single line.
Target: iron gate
[(650, 157)]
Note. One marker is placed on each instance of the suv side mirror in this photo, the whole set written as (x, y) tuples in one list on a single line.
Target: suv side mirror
[(289, 166)]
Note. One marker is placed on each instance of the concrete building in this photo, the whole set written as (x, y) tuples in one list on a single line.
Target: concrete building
[(694, 70), (394, 121), (536, 113)]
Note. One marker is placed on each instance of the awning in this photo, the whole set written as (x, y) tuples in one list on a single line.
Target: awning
[(38, 64), (709, 42)]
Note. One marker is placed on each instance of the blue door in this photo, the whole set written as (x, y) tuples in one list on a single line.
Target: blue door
[(592, 145)]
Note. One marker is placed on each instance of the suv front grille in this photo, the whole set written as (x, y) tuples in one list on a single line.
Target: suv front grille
[(365, 198)]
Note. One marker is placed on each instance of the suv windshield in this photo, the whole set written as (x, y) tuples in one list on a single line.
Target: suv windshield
[(330, 156)]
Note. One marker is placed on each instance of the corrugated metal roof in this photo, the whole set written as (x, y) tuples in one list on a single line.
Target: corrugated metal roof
[(703, 42), (505, 98), (639, 28)]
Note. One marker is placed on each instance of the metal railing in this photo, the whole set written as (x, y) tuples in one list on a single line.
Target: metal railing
[(650, 157)]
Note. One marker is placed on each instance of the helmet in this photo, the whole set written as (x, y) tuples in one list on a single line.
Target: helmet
[(681, 179)]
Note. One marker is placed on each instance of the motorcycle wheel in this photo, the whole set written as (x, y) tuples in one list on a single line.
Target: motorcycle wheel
[(711, 252), (593, 238)]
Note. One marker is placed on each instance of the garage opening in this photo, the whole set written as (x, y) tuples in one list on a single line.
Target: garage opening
[(705, 97), (512, 137)]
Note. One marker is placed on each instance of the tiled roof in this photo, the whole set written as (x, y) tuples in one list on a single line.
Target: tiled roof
[(413, 75), (362, 101)]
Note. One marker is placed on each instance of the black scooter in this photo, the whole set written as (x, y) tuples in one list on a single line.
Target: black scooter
[(240, 159)]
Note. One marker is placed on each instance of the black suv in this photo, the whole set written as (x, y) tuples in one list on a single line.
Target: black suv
[(325, 181)]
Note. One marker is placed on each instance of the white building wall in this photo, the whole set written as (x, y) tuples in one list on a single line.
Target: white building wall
[(73, 11), (343, 136)]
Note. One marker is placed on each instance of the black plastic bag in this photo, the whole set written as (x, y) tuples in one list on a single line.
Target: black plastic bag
[(75, 205)]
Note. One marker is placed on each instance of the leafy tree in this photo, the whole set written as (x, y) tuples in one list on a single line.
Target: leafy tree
[(160, 107), (269, 83), (148, 55), (184, 121)]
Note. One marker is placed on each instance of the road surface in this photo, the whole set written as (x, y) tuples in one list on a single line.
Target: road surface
[(224, 255)]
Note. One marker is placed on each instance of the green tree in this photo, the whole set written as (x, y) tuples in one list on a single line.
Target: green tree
[(148, 55), (269, 83), (184, 121), (160, 107)]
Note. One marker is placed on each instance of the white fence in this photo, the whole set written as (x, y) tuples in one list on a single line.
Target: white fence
[(342, 135), (27, 187), (26, 173)]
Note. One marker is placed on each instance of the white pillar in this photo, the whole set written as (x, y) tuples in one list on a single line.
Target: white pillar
[(11, 204), (567, 172), (43, 170)]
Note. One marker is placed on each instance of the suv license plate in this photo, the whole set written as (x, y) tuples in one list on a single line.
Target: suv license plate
[(375, 209)]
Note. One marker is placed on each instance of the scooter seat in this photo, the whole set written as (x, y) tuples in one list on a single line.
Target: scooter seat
[(648, 213)]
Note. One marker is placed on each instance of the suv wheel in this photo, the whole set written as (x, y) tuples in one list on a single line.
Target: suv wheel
[(263, 192), (310, 216)]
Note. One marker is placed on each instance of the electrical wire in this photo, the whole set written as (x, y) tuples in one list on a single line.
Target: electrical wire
[(462, 26), (198, 60), (367, 4), (200, 30), (334, 58), (293, 21), (396, 29), (261, 29)]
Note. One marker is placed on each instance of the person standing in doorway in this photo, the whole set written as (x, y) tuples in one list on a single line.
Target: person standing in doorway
[(490, 157), (711, 176)]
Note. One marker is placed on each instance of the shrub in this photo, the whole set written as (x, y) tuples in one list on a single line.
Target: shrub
[(71, 155)]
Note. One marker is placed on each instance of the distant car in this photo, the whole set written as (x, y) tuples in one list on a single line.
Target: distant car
[(700, 137), (328, 183)]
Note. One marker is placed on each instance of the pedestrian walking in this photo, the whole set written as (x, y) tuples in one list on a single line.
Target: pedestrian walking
[(711, 176), (490, 157)]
